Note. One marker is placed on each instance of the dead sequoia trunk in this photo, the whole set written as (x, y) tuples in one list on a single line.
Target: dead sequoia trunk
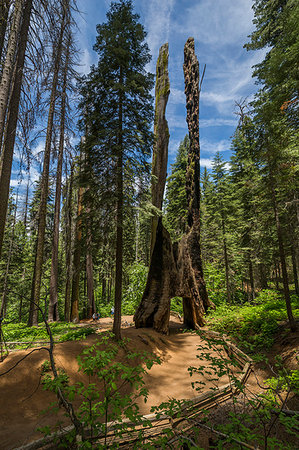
[(176, 269), (161, 133)]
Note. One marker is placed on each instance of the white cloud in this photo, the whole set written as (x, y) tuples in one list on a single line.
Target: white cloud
[(207, 146), (177, 97), (218, 122), (229, 81), (176, 121), (36, 151), (205, 162), (15, 183), (173, 147), (87, 59), (157, 24), (22, 182), (217, 22)]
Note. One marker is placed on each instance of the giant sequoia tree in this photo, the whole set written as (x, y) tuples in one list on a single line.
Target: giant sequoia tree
[(117, 106), (176, 269)]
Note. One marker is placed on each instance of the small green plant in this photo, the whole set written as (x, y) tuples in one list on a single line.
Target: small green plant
[(108, 400), (46, 367), (137, 274), (250, 419), (75, 335), (253, 326)]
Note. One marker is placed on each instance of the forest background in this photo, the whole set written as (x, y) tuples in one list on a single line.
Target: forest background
[(62, 255)]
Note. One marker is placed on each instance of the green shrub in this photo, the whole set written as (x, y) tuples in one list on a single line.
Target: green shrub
[(76, 335), (20, 332), (116, 369), (253, 325), (133, 294)]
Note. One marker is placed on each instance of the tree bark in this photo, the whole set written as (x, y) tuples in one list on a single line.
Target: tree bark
[(200, 299), (228, 291), (53, 301), (251, 278), (161, 133), (104, 288), (89, 275), (89, 267), (282, 255), (4, 8), (9, 64), (76, 262), (176, 269), (5, 284), (12, 119), (38, 263), (295, 272), (119, 222), (68, 248)]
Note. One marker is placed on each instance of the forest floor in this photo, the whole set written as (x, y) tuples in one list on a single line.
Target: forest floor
[(23, 399)]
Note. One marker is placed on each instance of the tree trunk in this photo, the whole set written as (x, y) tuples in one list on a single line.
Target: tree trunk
[(9, 63), (251, 278), (68, 249), (161, 133), (282, 257), (38, 263), (89, 268), (295, 272), (90, 285), (228, 291), (12, 119), (4, 8), (5, 284), (53, 300), (76, 262), (119, 222), (176, 270), (26, 204), (263, 276), (104, 288)]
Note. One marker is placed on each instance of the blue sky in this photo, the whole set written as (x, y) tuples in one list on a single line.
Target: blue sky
[(220, 29)]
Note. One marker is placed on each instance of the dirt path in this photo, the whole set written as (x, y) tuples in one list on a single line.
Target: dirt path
[(22, 398)]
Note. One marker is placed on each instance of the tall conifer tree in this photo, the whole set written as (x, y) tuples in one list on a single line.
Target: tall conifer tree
[(118, 104)]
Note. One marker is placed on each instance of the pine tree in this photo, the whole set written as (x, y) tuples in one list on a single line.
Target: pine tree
[(276, 105), (175, 198), (118, 104)]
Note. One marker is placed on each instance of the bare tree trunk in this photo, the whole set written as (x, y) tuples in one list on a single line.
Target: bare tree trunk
[(191, 73), (176, 270), (5, 284), (26, 203), (4, 8), (53, 300), (161, 133), (228, 291), (251, 278), (119, 223), (104, 288), (295, 272), (263, 276), (68, 250), (282, 257), (89, 276), (38, 263), (76, 262), (8, 68), (12, 119), (89, 268)]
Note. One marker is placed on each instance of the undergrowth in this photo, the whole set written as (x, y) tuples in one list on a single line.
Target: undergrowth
[(253, 325), (61, 331)]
